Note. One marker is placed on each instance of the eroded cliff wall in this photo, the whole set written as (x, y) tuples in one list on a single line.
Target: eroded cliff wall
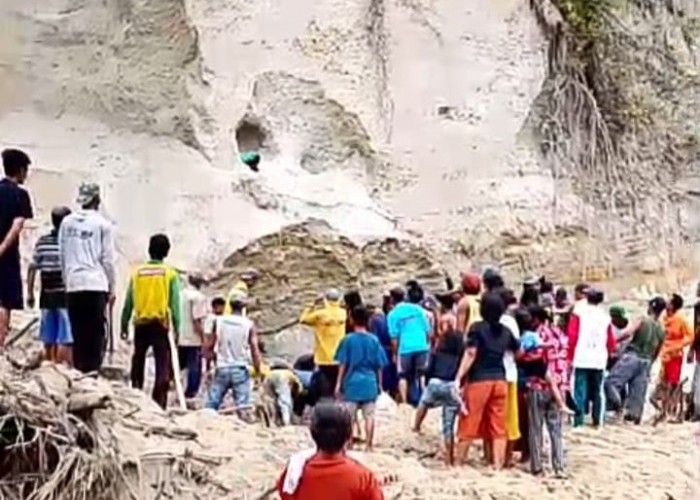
[(423, 119)]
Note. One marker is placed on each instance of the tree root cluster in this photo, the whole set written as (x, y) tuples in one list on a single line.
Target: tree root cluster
[(62, 435)]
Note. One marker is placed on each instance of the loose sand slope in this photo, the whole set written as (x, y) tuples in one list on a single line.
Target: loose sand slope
[(616, 463)]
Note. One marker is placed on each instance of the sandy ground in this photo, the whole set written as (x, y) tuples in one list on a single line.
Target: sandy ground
[(617, 462)]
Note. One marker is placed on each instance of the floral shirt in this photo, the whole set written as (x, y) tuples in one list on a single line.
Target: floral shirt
[(555, 354)]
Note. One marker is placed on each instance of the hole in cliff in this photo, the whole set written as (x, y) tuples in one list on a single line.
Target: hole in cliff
[(253, 138), (251, 135)]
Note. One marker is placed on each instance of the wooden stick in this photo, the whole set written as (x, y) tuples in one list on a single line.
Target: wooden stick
[(176, 370), (23, 331)]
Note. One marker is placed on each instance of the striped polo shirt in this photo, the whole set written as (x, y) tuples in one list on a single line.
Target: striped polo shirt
[(47, 262)]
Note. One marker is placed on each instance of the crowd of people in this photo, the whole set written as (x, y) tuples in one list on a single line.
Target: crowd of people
[(498, 365)]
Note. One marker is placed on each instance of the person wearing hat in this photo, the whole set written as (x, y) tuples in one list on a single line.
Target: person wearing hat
[(153, 297), (233, 338), (54, 328), (242, 288), (15, 209), (646, 337), (591, 343), (328, 319), (86, 247)]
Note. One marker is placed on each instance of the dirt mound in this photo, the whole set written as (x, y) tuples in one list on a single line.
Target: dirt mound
[(302, 260)]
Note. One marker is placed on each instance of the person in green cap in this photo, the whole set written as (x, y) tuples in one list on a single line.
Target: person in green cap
[(646, 336), (252, 159)]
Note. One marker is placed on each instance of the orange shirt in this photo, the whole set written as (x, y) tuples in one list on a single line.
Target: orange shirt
[(339, 478), (678, 336)]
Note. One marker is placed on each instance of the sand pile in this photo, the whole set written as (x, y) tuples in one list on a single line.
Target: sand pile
[(67, 436)]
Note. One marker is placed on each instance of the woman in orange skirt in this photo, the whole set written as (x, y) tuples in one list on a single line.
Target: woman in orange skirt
[(482, 378)]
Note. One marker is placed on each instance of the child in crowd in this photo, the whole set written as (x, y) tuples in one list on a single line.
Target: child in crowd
[(541, 352), (55, 327), (361, 359), (441, 390)]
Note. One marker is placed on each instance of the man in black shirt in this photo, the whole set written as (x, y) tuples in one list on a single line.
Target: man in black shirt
[(15, 208)]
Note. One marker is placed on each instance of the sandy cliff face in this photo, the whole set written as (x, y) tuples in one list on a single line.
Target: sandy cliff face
[(411, 118)]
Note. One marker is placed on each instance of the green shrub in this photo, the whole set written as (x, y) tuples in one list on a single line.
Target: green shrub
[(587, 17)]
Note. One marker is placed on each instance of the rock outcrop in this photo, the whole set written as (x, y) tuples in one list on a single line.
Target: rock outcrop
[(299, 262)]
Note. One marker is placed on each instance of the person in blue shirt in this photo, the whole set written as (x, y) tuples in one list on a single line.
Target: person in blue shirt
[(409, 329), (361, 359)]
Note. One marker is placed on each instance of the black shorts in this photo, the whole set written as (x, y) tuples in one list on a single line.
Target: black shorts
[(87, 314), (10, 284), (413, 366), (323, 383)]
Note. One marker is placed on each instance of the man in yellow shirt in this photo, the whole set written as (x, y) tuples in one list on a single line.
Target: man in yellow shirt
[(327, 317), (242, 287), (153, 298)]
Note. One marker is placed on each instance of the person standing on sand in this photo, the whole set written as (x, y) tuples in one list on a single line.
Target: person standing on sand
[(509, 320), (468, 306), (54, 328), (482, 377), (234, 340), (328, 472), (328, 319), (191, 338), (242, 288), (591, 343), (531, 292), (218, 306), (562, 309), (153, 297), (409, 329), (86, 243), (378, 326), (15, 209), (693, 412), (441, 390), (634, 366), (361, 360), (546, 386), (678, 337)]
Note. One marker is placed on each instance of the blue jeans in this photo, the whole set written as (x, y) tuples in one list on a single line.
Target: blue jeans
[(235, 378), (55, 327), (445, 394), (190, 358)]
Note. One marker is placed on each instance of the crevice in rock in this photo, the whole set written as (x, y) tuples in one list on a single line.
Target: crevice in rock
[(377, 39)]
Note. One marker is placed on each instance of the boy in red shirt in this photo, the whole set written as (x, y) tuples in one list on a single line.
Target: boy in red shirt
[(328, 471)]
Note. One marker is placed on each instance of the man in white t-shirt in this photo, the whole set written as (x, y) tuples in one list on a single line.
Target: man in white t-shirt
[(234, 342), (194, 313)]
